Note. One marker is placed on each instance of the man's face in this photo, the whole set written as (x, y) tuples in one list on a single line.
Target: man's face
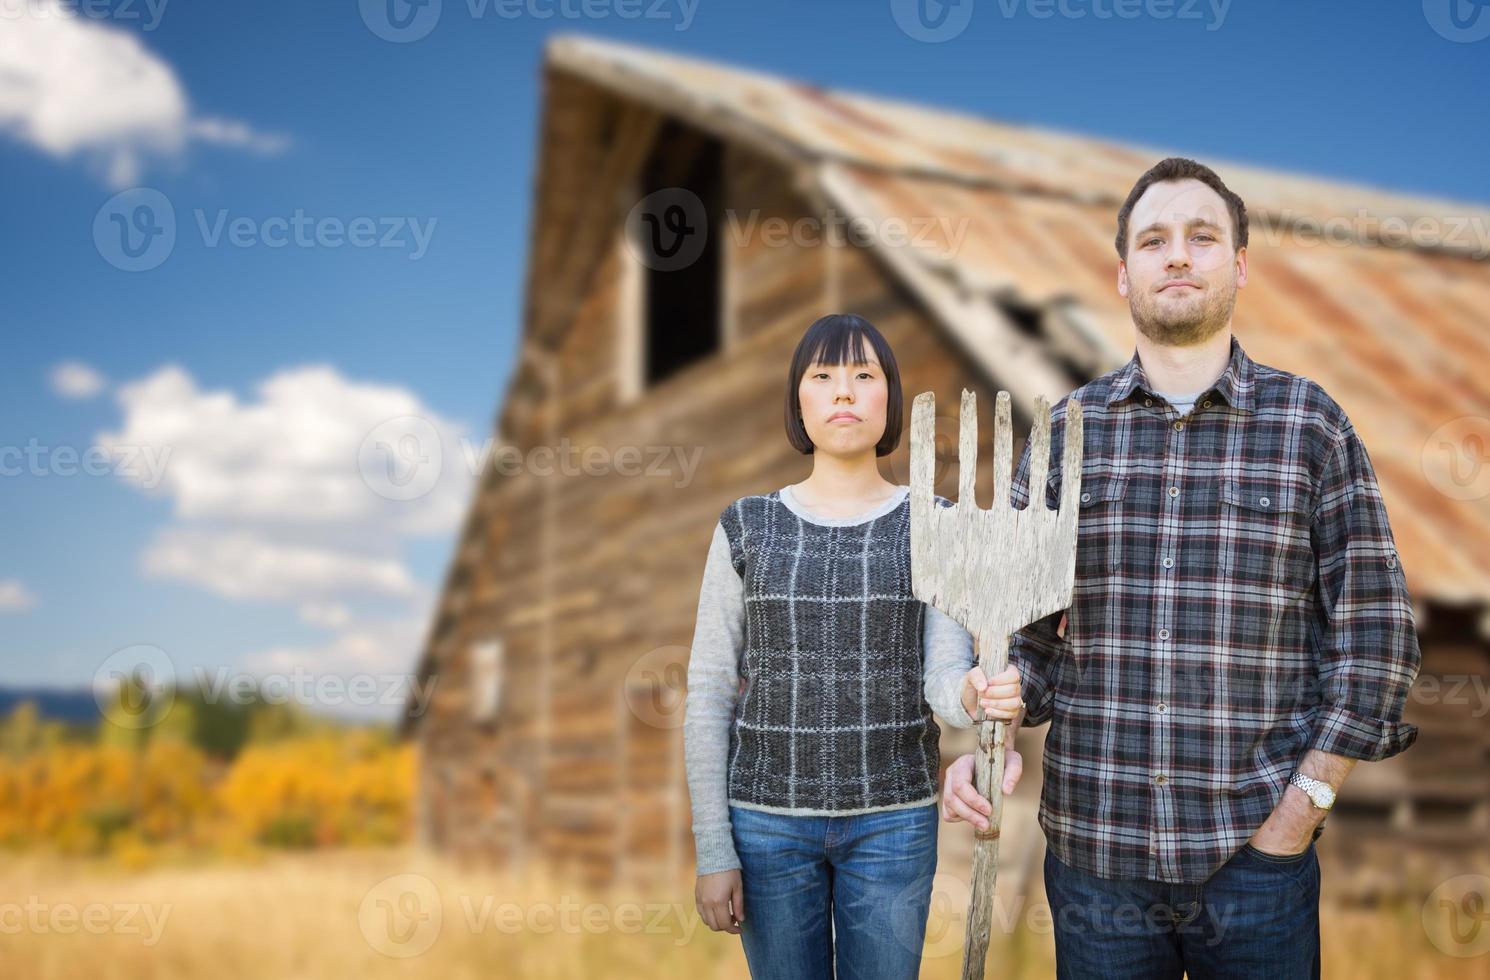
[(1183, 268)]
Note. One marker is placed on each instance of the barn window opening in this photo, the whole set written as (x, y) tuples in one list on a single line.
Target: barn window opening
[(680, 239), (486, 680)]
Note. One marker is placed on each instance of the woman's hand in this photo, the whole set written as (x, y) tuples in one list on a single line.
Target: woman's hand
[(960, 797), (720, 898), (1001, 696)]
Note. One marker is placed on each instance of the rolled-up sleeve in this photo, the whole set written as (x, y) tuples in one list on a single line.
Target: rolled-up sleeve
[(1368, 644)]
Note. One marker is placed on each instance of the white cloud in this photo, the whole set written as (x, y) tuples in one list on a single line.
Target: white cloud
[(303, 453), (72, 379), (327, 615), (244, 565), (389, 645), (15, 597), (228, 132), (70, 85)]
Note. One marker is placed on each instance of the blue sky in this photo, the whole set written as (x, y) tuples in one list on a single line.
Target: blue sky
[(273, 109)]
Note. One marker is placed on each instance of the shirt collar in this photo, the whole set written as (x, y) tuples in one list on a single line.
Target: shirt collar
[(1234, 385)]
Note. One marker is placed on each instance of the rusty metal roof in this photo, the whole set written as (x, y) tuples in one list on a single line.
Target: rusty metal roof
[(1383, 298)]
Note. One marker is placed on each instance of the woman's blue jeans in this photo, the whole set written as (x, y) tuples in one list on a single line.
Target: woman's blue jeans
[(861, 883)]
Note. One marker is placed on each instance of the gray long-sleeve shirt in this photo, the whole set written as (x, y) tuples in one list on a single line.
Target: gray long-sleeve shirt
[(713, 687)]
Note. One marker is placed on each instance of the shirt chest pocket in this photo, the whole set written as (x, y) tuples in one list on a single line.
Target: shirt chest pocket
[(1264, 539), (1099, 528)]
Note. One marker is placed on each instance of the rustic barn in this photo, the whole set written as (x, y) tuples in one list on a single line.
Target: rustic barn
[(984, 252)]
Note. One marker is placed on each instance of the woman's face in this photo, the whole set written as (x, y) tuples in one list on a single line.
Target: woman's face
[(843, 406)]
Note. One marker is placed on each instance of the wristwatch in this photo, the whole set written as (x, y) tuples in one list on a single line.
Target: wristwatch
[(1321, 794)]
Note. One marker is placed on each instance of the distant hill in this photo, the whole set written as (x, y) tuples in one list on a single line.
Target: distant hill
[(74, 705)]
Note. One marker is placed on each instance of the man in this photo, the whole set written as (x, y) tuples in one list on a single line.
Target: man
[(1240, 633)]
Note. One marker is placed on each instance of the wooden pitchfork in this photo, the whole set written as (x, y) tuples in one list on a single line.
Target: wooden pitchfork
[(994, 571)]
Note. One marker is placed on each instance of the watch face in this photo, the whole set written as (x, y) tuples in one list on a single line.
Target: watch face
[(1320, 793)]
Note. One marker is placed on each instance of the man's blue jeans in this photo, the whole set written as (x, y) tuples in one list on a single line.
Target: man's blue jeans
[(862, 882), (1257, 916)]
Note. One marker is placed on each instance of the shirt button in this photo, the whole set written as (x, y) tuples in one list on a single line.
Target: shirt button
[(1164, 634), (1161, 707), (1148, 401), (1178, 426), (1392, 562), (1086, 498), (1161, 779), (1264, 501), (1205, 404), (1174, 491), (1168, 562)]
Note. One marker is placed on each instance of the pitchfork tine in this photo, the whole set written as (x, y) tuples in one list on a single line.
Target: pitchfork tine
[(1039, 453), (967, 450), (923, 448), (1071, 462), (1003, 450)]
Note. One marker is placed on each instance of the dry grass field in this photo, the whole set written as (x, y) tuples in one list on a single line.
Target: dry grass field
[(378, 913)]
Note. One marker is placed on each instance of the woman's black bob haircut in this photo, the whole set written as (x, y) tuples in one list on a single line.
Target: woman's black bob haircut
[(840, 338)]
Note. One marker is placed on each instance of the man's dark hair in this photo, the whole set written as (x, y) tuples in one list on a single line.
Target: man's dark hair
[(835, 339), (1179, 168)]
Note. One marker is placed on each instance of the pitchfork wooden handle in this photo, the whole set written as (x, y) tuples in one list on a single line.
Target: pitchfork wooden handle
[(988, 778)]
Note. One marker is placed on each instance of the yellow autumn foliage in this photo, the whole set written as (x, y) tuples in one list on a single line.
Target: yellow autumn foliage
[(343, 788), (320, 791)]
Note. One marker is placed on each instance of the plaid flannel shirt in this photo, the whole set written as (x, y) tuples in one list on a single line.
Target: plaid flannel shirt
[(1238, 601)]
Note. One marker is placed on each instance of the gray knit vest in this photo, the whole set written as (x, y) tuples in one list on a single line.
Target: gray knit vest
[(831, 715)]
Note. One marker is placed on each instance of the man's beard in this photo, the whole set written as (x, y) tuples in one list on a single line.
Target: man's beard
[(1182, 327)]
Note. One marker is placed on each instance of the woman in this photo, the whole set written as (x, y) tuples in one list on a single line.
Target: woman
[(809, 739)]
